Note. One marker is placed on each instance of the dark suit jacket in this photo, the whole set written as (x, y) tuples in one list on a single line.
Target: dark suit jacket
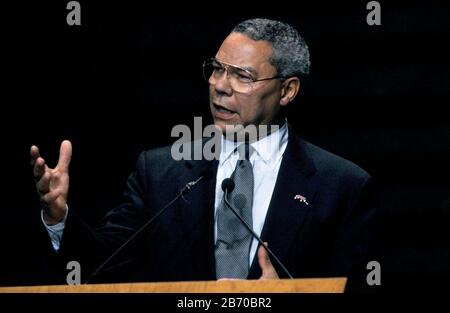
[(327, 237)]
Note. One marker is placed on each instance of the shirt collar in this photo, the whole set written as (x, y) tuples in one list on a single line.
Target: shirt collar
[(268, 148)]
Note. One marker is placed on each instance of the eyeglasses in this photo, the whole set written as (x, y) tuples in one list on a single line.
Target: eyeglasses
[(241, 80)]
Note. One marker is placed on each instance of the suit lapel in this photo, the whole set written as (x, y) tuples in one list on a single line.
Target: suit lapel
[(286, 214), (196, 216)]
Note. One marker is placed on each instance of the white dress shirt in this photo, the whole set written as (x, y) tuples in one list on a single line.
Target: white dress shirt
[(55, 231), (265, 161)]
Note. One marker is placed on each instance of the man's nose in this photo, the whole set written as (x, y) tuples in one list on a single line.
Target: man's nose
[(222, 85)]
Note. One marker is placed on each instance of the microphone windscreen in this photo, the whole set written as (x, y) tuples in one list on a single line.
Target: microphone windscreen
[(228, 185)]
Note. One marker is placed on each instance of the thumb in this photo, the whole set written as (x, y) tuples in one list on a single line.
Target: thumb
[(268, 271), (65, 155)]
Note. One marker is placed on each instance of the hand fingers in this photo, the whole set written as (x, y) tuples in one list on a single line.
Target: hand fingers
[(268, 271), (37, 162), (263, 257), (50, 197), (54, 205), (34, 154), (39, 168), (43, 185), (65, 155)]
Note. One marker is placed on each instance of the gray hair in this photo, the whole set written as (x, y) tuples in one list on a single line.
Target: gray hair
[(290, 52)]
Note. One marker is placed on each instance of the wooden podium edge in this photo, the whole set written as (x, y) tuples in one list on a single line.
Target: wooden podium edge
[(308, 285)]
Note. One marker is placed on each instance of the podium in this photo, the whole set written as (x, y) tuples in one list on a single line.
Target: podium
[(309, 285)]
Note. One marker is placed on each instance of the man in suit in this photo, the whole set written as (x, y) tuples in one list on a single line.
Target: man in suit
[(314, 209)]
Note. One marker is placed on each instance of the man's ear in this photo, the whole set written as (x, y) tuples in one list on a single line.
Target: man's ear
[(289, 90)]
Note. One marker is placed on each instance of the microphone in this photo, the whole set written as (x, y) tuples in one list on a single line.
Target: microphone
[(227, 187), (188, 187)]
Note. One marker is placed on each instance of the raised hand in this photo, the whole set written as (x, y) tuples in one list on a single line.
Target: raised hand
[(52, 184)]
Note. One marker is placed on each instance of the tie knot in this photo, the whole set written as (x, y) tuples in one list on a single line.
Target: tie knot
[(245, 151)]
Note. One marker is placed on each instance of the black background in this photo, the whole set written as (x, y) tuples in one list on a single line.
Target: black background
[(117, 84)]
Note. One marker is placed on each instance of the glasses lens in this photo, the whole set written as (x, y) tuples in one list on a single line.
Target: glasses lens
[(239, 79), (208, 69)]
